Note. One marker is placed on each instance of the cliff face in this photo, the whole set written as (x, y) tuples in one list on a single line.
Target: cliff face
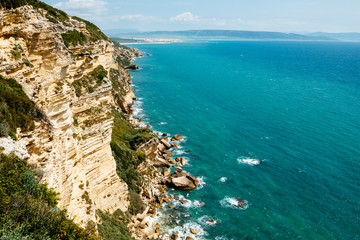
[(72, 86)]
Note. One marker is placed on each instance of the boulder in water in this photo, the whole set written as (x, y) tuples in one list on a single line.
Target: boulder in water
[(177, 137)]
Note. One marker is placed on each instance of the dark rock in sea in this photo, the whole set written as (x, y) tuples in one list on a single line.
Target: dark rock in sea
[(132, 67), (211, 221), (183, 201), (240, 202)]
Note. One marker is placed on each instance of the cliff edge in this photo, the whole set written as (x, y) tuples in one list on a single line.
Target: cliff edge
[(67, 67)]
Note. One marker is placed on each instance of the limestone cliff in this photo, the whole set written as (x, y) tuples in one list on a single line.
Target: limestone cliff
[(72, 84)]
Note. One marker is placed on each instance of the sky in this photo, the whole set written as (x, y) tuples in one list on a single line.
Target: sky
[(297, 16)]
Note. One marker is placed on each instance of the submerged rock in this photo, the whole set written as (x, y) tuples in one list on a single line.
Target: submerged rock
[(194, 231)]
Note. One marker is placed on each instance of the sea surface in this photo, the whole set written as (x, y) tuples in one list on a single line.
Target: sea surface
[(276, 124)]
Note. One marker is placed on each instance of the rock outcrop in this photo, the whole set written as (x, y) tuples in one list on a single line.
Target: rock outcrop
[(72, 146), (181, 180)]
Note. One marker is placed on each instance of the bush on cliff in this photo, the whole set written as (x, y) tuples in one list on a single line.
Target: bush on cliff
[(114, 226), (28, 209), (95, 32), (90, 81), (16, 109), (73, 37), (124, 141), (53, 14)]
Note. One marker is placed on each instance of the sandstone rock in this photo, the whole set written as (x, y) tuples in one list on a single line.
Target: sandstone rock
[(171, 206), (165, 139), (167, 154), (194, 231), (161, 147), (146, 193), (66, 159), (142, 226), (182, 161), (177, 159), (158, 230), (166, 144), (172, 161), (177, 164), (161, 163), (177, 137), (183, 201), (183, 183), (178, 170), (174, 145), (174, 236), (189, 238), (166, 172)]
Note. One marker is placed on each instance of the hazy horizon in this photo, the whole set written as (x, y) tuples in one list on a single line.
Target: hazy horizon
[(277, 16)]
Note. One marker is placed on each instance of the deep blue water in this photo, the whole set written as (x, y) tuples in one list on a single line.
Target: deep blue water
[(279, 120)]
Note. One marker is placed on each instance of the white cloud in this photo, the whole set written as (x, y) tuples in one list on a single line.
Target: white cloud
[(83, 7), (185, 17)]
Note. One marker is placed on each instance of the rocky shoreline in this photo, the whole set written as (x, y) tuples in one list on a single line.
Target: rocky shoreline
[(158, 179)]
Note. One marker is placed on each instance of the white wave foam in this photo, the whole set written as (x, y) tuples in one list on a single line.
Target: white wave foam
[(184, 231), (223, 179), (188, 203), (207, 221), (221, 238), (249, 161), (178, 151), (201, 183), (163, 123), (233, 203)]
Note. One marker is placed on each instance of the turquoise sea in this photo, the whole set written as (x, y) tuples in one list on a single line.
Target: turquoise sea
[(274, 123)]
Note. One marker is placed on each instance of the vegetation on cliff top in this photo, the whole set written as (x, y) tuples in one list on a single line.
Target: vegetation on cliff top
[(53, 14), (28, 209), (16, 109), (57, 16), (95, 32)]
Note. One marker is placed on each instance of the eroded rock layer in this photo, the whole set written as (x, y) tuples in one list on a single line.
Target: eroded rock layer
[(72, 86)]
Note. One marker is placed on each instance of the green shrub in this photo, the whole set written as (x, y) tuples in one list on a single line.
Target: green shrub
[(73, 38), (114, 226), (17, 110), (136, 204), (122, 61), (30, 182), (30, 211), (124, 142), (8, 233), (95, 32), (90, 81), (28, 63)]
